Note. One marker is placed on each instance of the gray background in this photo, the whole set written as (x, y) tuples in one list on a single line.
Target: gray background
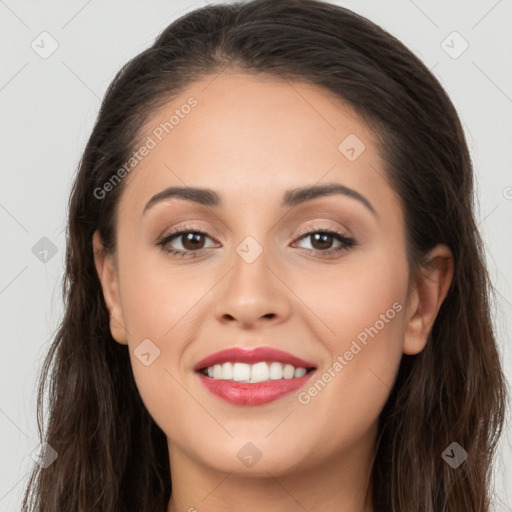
[(48, 108)]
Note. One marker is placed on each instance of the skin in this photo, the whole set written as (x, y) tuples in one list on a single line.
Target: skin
[(250, 139)]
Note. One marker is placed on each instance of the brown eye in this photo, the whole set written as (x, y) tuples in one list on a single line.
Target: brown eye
[(186, 242), (192, 241), (321, 241)]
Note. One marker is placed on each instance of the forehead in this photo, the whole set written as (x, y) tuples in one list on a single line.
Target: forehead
[(251, 137)]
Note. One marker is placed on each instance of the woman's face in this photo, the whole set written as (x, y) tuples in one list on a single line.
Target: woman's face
[(256, 280)]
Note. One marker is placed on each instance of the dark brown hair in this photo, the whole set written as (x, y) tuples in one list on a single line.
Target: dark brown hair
[(111, 454)]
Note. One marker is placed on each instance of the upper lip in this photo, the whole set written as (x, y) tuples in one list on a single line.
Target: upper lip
[(251, 356)]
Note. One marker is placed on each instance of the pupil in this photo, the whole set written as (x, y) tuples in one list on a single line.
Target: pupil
[(192, 237), (325, 236)]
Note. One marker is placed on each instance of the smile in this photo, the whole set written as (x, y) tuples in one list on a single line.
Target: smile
[(256, 376)]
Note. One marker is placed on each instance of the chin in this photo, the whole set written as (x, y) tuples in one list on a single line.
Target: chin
[(255, 458)]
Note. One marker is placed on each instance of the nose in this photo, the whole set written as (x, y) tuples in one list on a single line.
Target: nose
[(253, 294)]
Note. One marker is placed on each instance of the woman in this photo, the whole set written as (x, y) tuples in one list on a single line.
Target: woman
[(276, 290)]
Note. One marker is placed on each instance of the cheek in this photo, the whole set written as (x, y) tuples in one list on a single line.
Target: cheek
[(164, 396), (361, 308), (347, 398), (346, 300), (165, 304), (157, 295)]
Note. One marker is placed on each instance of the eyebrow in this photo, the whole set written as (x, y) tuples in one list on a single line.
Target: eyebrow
[(291, 198)]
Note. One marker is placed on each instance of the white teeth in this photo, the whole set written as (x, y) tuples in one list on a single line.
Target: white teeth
[(227, 371), (217, 371), (276, 371), (258, 372), (300, 372), (288, 371), (241, 372)]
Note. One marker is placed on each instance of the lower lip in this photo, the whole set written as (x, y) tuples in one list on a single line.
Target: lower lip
[(258, 393)]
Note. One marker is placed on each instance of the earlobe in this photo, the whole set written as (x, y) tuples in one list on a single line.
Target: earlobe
[(107, 275), (429, 291)]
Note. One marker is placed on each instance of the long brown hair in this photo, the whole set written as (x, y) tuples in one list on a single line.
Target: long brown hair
[(111, 454)]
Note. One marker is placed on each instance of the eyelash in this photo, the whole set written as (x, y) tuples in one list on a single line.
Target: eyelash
[(346, 242)]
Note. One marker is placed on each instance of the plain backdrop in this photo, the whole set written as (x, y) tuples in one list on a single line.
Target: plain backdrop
[(48, 106)]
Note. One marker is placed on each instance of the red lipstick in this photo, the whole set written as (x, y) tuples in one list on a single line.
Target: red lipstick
[(257, 393)]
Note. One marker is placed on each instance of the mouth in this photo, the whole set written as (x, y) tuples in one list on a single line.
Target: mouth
[(253, 376)]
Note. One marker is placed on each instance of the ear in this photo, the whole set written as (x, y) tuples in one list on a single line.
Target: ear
[(428, 293), (107, 275)]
